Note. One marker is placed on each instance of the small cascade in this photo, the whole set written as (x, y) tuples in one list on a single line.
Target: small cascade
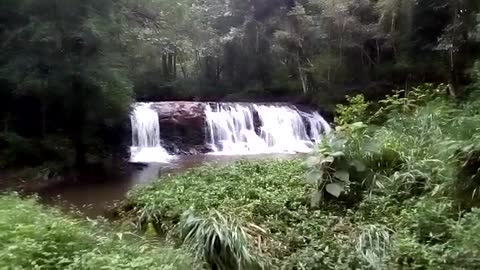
[(146, 146), (281, 129), (318, 126), (231, 129)]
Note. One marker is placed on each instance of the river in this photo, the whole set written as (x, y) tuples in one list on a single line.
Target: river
[(94, 192)]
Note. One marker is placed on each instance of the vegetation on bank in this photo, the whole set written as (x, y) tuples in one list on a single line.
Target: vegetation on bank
[(34, 237), (396, 186)]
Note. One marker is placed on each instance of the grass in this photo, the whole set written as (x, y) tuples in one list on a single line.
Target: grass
[(411, 206), (219, 240), (33, 237), (267, 199)]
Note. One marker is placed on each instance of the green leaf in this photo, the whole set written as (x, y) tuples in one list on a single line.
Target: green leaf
[(342, 175), (337, 154), (358, 125), (312, 161), (359, 166), (335, 189), (314, 176)]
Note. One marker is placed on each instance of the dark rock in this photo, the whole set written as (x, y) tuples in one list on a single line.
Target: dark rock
[(183, 129)]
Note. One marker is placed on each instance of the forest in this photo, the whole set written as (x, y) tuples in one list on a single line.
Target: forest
[(71, 69), (394, 185)]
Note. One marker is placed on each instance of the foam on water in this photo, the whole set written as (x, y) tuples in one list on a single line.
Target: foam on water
[(146, 144), (281, 129)]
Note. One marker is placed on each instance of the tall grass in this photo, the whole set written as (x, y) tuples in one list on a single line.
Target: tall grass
[(219, 240), (373, 246)]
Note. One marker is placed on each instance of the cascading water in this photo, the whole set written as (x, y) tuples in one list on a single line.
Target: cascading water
[(231, 129), (146, 146), (283, 129), (318, 126)]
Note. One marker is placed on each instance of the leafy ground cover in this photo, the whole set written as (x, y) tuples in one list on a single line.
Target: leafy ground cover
[(33, 237), (395, 187)]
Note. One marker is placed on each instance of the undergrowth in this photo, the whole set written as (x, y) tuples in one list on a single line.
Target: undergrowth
[(33, 237), (398, 190)]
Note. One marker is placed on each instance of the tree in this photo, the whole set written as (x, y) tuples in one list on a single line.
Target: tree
[(70, 53)]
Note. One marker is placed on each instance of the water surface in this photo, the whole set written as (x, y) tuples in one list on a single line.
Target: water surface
[(93, 192)]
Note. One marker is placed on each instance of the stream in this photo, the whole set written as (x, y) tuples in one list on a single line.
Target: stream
[(94, 192)]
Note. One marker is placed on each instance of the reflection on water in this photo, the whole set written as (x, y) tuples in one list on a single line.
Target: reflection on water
[(94, 192)]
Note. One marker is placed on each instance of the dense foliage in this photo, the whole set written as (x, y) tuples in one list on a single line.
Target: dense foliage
[(32, 237), (70, 69), (400, 195)]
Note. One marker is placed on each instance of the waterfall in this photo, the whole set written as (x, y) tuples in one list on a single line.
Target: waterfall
[(318, 126), (231, 129), (281, 129), (146, 146)]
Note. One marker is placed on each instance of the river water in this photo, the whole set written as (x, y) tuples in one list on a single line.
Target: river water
[(94, 192)]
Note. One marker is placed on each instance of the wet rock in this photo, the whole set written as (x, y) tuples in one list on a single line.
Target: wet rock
[(182, 123)]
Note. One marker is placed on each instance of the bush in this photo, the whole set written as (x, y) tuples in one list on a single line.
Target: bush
[(355, 111), (32, 237)]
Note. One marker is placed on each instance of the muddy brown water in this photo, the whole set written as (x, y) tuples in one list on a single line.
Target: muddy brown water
[(94, 192)]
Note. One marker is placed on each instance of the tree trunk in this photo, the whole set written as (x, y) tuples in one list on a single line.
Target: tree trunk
[(184, 71), (303, 79), (77, 124), (170, 66), (164, 66), (219, 70), (175, 64), (453, 87), (182, 66)]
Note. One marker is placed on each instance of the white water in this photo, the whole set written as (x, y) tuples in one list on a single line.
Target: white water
[(231, 130), (318, 126), (146, 146), (282, 129)]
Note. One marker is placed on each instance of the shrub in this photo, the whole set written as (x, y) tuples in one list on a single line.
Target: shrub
[(356, 110)]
